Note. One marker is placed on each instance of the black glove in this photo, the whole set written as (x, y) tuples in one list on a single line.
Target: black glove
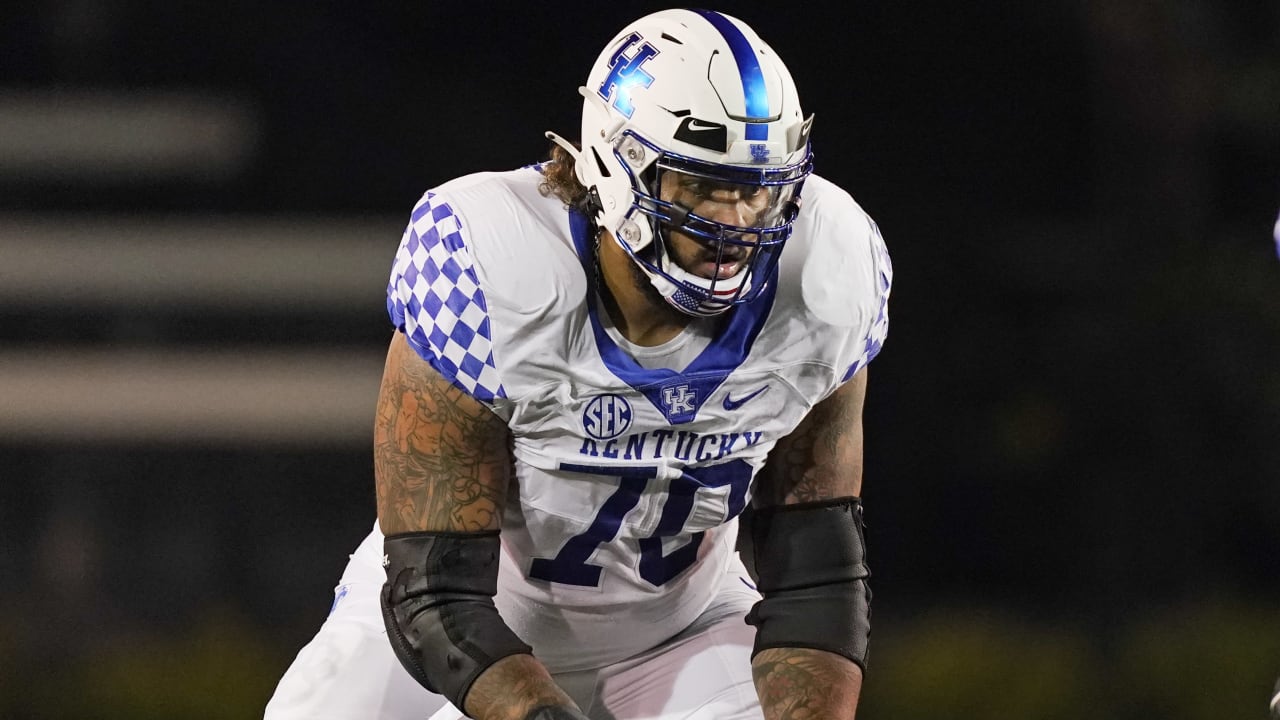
[(554, 712)]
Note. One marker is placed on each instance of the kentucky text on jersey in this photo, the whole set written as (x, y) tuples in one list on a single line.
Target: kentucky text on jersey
[(678, 444)]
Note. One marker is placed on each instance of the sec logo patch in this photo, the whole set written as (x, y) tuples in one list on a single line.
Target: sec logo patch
[(606, 417)]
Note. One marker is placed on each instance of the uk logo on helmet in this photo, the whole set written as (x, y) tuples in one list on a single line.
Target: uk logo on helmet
[(626, 72)]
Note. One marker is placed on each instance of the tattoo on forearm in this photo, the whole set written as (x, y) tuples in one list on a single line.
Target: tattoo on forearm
[(822, 458), (805, 685), (512, 687), (440, 458)]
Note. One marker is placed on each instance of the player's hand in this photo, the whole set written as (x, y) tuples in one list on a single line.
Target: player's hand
[(1275, 694), (554, 712)]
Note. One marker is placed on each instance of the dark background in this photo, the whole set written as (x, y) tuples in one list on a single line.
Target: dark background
[(1073, 432)]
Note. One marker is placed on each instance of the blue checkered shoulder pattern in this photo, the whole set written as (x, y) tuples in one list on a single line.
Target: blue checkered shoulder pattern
[(436, 300), (880, 327)]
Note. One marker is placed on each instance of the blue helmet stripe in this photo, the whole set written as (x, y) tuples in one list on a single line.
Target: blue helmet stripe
[(753, 87)]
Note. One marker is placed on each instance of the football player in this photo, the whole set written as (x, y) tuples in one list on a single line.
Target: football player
[(600, 363)]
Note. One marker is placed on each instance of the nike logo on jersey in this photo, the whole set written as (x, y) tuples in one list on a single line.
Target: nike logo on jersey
[(731, 404)]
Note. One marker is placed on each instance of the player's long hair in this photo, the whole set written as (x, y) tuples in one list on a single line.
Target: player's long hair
[(561, 182)]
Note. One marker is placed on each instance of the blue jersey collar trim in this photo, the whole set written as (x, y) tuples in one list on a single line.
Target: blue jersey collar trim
[(677, 395)]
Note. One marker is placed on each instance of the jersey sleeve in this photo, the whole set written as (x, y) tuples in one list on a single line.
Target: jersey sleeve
[(878, 330), (435, 299)]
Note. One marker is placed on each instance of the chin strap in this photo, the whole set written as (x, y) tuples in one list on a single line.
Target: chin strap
[(685, 301)]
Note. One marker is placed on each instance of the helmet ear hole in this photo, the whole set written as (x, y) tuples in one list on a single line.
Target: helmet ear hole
[(600, 164)]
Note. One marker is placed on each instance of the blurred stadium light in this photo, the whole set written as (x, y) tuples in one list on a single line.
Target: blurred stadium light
[(100, 135), (226, 262), (224, 396), (74, 271)]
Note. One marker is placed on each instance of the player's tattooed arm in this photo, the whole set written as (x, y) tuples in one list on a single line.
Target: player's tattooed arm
[(442, 461), (802, 684), (820, 460), (515, 686)]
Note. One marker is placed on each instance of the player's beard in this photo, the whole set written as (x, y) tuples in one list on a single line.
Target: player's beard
[(641, 281)]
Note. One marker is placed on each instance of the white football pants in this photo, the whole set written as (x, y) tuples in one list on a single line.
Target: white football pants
[(349, 672)]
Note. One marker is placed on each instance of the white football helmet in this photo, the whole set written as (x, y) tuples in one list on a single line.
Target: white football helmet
[(695, 100)]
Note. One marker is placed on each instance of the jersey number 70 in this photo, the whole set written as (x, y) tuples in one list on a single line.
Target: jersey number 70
[(570, 565)]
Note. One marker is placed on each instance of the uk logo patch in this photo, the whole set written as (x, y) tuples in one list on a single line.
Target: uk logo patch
[(679, 399), (759, 153)]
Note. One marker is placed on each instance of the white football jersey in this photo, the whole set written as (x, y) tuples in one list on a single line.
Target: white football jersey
[(630, 476)]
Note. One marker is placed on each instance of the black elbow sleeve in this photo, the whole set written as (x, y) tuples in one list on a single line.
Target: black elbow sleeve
[(437, 605), (812, 571)]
